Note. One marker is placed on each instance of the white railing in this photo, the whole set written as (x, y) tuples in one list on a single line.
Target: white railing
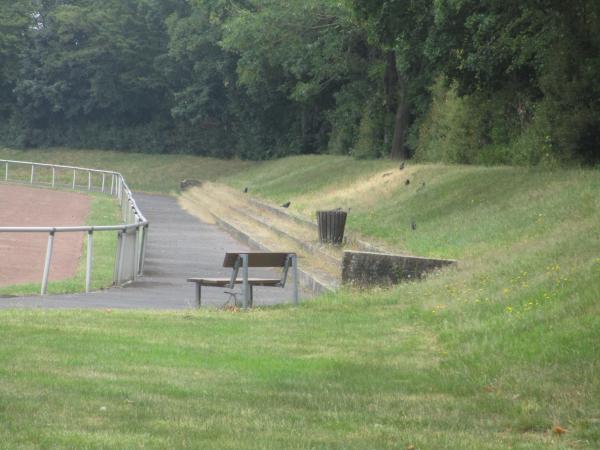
[(132, 233)]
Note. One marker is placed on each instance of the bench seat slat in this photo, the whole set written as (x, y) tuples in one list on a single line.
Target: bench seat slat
[(221, 282)]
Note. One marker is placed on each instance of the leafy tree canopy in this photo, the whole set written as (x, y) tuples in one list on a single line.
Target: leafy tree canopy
[(513, 81)]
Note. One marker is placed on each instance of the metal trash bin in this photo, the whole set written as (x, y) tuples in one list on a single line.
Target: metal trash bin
[(331, 226)]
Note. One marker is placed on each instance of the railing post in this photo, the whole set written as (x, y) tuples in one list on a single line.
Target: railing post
[(90, 256), (47, 263), (117, 271), (6, 173), (122, 243), (103, 181), (32, 173), (74, 176), (143, 249), (134, 253), (89, 180), (53, 176), (112, 183)]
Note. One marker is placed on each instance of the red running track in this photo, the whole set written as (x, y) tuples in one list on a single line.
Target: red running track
[(22, 254)]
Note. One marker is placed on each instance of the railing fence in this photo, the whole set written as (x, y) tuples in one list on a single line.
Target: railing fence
[(132, 233)]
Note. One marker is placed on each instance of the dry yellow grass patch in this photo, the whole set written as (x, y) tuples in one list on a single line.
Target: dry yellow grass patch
[(197, 205), (359, 192)]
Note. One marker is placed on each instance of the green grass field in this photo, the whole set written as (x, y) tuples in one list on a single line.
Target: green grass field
[(150, 173), (495, 353)]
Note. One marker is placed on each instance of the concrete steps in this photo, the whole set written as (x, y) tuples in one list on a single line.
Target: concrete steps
[(263, 227), (352, 242)]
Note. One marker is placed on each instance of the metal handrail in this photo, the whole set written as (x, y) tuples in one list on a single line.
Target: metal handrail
[(68, 229), (132, 233)]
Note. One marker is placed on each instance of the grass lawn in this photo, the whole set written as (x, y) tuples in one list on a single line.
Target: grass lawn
[(347, 371), (143, 172), (498, 352)]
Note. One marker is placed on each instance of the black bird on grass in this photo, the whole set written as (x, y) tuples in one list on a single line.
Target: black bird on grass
[(246, 190), (413, 225), (286, 205), (407, 182), (402, 165)]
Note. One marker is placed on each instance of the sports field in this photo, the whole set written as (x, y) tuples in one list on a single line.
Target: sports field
[(23, 253)]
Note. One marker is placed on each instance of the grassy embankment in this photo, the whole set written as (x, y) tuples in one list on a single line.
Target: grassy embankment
[(495, 353)]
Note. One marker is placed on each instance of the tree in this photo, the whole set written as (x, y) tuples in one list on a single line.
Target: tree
[(401, 29), (15, 22), (543, 56), (201, 74), (293, 59)]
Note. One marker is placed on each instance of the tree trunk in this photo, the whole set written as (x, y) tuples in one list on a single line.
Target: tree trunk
[(398, 149), (390, 82)]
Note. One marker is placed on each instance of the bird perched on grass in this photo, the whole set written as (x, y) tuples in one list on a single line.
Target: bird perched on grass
[(407, 182), (413, 225), (286, 205), (246, 190), (402, 165)]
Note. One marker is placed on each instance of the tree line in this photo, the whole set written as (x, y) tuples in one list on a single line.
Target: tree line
[(470, 81)]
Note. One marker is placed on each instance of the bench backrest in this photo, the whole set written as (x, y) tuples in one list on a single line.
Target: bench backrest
[(258, 259)]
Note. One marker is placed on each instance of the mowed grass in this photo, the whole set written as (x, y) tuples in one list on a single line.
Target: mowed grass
[(498, 352), (143, 172), (104, 211)]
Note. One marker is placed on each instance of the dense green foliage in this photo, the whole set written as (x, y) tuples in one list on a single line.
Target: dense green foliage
[(454, 80)]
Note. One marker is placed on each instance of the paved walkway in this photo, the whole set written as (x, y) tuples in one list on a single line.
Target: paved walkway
[(179, 246)]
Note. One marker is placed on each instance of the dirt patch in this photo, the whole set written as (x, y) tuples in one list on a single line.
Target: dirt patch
[(22, 254)]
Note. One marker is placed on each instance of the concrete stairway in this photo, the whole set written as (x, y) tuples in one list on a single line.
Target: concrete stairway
[(271, 228)]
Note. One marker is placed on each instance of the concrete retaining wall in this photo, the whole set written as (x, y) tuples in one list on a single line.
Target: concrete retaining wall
[(376, 269)]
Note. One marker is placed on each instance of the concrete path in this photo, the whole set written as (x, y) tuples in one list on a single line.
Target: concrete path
[(180, 246)]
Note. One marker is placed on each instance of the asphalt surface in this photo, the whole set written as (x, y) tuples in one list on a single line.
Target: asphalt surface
[(179, 246)]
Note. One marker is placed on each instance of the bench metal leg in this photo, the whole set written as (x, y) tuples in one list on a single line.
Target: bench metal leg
[(246, 289), (198, 294)]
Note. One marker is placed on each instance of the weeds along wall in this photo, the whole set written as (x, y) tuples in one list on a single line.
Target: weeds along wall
[(131, 233)]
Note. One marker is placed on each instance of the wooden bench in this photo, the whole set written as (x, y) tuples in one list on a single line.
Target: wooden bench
[(245, 260)]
